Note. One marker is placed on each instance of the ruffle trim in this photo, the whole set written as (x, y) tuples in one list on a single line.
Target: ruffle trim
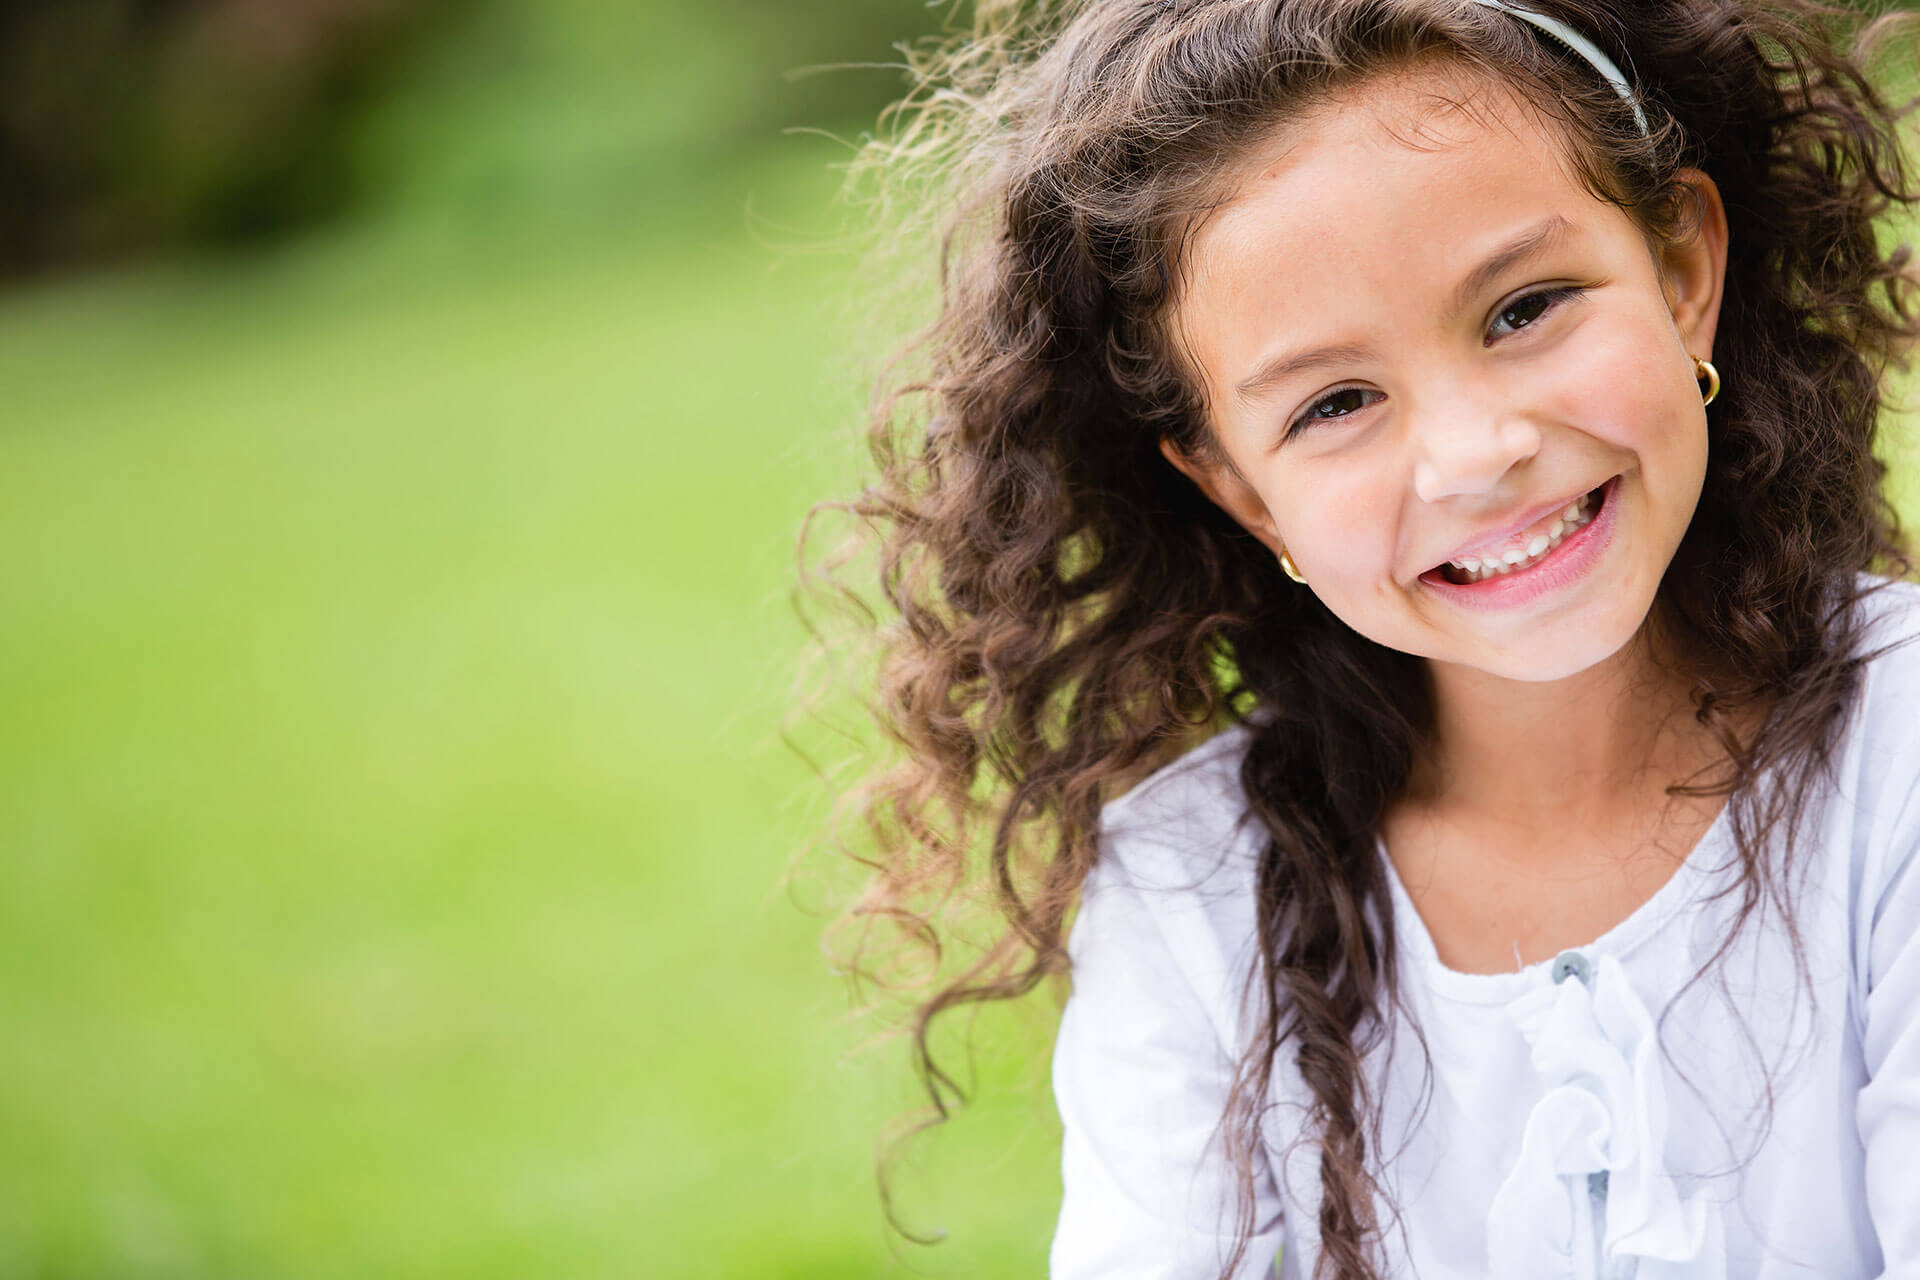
[(1590, 1196)]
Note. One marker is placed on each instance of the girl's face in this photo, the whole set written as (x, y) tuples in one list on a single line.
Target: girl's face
[(1427, 351)]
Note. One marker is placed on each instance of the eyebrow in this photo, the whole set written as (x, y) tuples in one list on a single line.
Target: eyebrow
[(1529, 244), (1273, 372)]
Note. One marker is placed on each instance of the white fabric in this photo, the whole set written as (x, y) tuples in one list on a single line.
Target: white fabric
[(1749, 1126)]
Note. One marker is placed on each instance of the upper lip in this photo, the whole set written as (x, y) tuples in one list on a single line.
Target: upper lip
[(1494, 537)]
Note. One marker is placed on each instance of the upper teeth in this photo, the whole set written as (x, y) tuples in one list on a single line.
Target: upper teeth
[(1519, 556)]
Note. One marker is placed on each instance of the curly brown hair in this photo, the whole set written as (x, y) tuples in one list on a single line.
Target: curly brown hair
[(1066, 611)]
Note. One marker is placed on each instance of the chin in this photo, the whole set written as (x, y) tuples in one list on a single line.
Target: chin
[(1548, 673), (1559, 654)]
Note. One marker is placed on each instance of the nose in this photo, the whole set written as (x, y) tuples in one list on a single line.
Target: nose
[(1461, 456)]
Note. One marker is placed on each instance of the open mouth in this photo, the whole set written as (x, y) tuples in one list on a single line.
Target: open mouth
[(1528, 548)]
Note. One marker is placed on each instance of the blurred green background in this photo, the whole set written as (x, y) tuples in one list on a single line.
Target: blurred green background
[(408, 411)]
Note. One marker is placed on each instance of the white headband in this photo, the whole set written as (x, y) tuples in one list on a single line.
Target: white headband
[(1579, 44)]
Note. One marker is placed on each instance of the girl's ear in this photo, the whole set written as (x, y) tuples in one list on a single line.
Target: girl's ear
[(1220, 482), (1694, 270)]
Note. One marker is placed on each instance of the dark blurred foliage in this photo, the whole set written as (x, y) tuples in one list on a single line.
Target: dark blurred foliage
[(128, 126), (134, 124)]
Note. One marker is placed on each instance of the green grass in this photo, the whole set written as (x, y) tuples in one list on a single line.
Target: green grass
[(393, 638)]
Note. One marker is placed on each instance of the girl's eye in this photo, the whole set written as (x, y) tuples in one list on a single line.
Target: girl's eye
[(1526, 309), (1335, 404)]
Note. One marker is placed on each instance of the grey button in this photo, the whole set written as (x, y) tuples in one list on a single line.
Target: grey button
[(1571, 964)]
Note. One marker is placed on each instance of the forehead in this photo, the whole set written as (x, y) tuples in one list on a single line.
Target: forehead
[(1412, 124), (1372, 199)]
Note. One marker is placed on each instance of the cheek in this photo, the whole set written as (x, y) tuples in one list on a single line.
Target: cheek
[(1647, 406), (1340, 528), (1631, 390), (1612, 362)]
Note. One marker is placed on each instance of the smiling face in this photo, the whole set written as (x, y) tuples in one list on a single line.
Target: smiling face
[(1421, 341)]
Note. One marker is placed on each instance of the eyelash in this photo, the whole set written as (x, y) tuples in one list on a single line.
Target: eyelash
[(1552, 298)]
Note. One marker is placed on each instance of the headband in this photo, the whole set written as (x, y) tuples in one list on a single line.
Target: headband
[(1579, 44)]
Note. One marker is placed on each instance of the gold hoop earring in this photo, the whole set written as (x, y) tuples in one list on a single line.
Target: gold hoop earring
[(1292, 569), (1703, 371)]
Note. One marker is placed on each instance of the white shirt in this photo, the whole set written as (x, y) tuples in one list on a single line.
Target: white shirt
[(1536, 1086)]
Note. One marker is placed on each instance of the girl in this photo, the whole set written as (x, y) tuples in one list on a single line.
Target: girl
[(1458, 416)]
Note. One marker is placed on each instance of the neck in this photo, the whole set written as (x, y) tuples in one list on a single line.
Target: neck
[(1575, 754)]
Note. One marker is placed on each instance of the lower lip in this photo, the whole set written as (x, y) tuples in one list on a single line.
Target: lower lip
[(1568, 563)]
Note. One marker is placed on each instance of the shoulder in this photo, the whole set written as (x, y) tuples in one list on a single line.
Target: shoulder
[(1144, 1063), (1178, 859), (1890, 610), (1870, 825), (1886, 722), (1878, 823), (1876, 760), (1186, 824)]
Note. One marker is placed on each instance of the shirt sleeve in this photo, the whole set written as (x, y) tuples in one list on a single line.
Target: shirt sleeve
[(1141, 1080), (1888, 1107)]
